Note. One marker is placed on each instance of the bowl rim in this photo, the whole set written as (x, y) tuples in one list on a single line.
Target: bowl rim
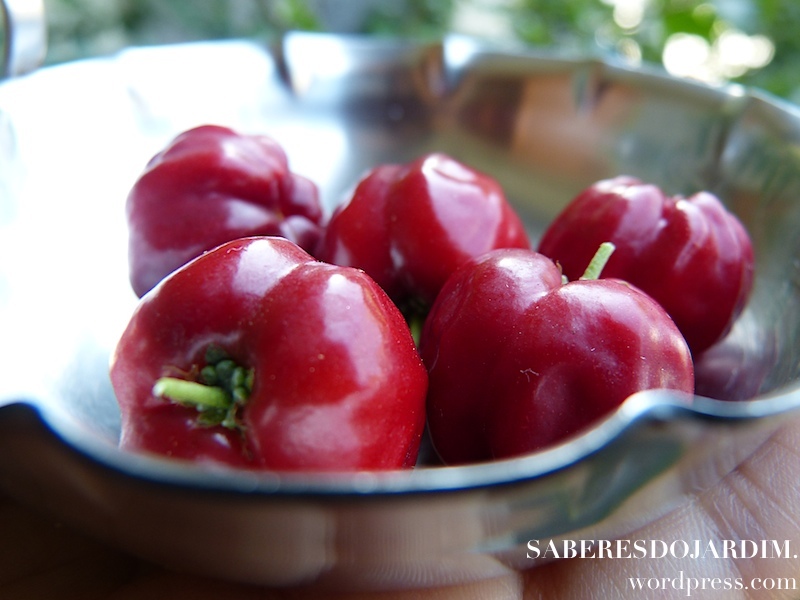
[(639, 409)]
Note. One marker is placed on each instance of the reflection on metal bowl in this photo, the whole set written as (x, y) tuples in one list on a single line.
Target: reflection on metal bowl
[(545, 127)]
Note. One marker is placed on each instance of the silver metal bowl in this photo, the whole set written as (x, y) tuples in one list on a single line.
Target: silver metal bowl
[(544, 126)]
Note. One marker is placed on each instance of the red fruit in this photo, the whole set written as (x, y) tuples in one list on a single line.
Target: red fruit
[(518, 360), (258, 356), (690, 254), (410, 226), (211, 185)]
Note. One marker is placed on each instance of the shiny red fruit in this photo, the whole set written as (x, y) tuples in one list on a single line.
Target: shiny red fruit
[(208, 186), (691, 254), (258, 356), (410, 226), (519, 361)]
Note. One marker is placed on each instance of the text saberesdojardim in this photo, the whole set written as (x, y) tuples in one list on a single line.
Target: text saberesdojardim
[(640, 549)]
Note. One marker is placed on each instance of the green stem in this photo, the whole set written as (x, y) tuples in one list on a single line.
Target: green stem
[(191, 393), (415, 311), (598, 262), (415, 324), (222, 388)]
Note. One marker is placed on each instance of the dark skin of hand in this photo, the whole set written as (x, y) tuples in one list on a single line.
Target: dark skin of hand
[(760, 500)]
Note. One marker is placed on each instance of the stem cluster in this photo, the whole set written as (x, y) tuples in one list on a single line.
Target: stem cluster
[(221, 389)]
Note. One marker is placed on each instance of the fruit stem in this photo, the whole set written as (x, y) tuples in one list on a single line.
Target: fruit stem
[(199, 395), (598, 262), (222, 389), (415, 324)]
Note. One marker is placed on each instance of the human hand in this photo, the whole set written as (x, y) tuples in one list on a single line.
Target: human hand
[(760, 500)]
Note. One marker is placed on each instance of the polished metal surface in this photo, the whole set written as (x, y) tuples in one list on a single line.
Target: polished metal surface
[(544, 126), (24, 36)]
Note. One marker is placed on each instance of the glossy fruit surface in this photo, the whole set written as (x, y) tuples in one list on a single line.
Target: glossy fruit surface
[(410, 226), (208, 186), (691, 254), (519, 361), (258, 356)]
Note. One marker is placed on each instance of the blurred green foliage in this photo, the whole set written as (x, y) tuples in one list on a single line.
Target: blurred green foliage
[(631, 30)]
